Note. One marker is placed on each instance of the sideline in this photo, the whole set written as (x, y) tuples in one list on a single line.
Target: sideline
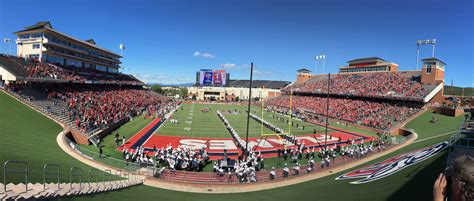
[(436, 136), (242, 188), (63, 144)]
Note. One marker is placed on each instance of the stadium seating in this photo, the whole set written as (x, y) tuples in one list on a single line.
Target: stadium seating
[(91, 107), (377, 84), (46, 72), (376, 114)]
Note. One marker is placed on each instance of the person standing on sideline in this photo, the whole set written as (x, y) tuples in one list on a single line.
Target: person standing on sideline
[(100, 151)]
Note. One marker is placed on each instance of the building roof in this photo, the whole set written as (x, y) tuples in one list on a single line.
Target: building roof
[(367, 59), (271, 84), (91, 41), (47, 25), (303, 70), (433, 59), (40, 24)]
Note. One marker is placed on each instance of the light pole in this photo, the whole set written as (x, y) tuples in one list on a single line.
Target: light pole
[(317, 58), (320, 57), (7, 40), (122, 48), (424, 42)]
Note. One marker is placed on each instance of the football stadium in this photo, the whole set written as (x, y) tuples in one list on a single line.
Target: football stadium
[(79, 120)]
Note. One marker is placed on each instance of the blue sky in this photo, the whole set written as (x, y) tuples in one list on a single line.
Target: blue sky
[(168, 41)]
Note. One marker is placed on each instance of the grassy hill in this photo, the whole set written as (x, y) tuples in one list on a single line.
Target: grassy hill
[(457, 91), (29, 136)]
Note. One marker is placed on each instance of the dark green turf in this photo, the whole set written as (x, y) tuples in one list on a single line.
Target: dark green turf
[(29, 136), (412, 183), (129, 130), (425, 128)]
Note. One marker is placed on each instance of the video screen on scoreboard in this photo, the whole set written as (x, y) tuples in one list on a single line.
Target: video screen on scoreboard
[(212, 77)]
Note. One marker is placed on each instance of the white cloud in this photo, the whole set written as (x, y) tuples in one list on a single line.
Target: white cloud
[(262, 72), (203, 54), (208, 55), (229, 66), (162, 78)]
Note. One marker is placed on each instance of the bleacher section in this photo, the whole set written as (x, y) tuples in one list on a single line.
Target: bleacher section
[(87, 108), (380, 100), (381, 115), (404, 85), (29, 70), (462, 142), (14, 65)]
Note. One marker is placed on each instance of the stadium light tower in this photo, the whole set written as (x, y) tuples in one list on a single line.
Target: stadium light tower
[(424, 42), (321, 57), (122, 48)]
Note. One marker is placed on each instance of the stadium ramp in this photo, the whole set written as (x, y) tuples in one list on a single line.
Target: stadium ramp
[(433, 93)]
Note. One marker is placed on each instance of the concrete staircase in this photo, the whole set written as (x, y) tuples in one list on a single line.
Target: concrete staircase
[(39, 191)]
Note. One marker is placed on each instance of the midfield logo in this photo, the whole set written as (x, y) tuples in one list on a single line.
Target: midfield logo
[(392, 165)]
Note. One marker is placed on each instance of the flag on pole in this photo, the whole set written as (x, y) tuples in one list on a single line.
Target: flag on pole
[(6, 40), (122, 47)]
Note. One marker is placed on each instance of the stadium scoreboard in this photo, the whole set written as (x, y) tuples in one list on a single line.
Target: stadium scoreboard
[(209, 77)]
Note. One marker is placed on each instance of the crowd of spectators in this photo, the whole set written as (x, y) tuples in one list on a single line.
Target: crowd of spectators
[(375, 114), (51, 71), (48, 71), (93, 106), (377, 84)]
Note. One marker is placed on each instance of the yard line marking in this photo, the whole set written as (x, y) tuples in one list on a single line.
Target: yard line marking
[(440, 135)]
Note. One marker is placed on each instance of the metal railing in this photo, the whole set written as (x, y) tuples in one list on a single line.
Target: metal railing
[(112, 162), (93, 172), (55, 169), (72, 173), (23, 171), (45, 173), (107, 173)]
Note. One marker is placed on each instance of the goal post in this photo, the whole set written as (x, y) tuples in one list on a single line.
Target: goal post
[(262, 99)]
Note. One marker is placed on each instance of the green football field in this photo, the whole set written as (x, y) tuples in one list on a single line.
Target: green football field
[(193, 122), (27, 135), (209, 125)]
